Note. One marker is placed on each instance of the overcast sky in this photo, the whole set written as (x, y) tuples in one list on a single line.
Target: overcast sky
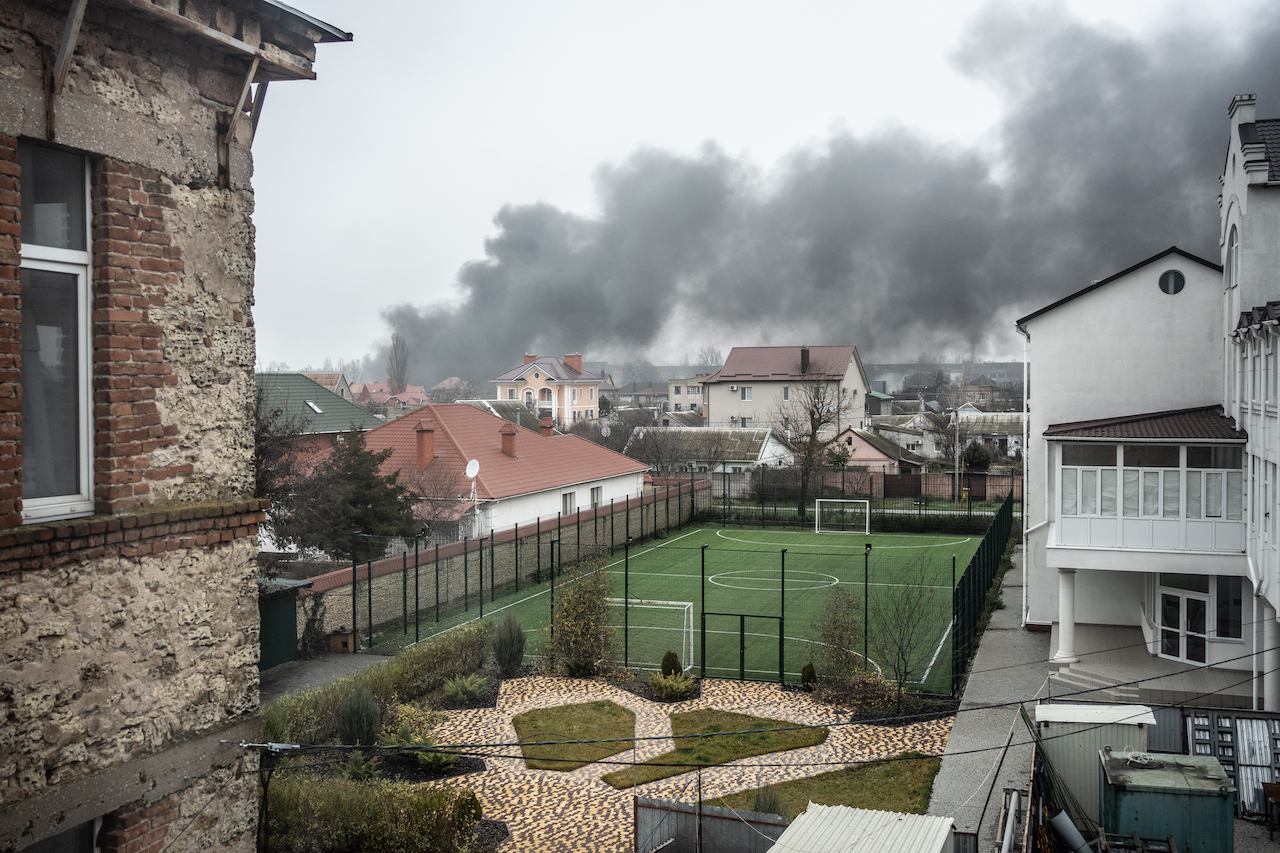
[(642, 180)]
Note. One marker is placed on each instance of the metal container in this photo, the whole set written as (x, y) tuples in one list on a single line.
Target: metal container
[(1187, 797), (1073, 734)]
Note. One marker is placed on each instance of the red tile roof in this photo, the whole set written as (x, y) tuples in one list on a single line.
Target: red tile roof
[(770, 363), (1203, 424), (463, 432)]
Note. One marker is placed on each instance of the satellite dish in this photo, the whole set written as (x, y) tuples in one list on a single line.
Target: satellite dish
[(604, 432), (473, 468)]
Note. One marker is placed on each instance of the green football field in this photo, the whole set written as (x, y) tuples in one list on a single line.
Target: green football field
[(755, 585)]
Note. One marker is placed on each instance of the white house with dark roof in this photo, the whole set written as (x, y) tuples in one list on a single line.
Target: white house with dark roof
[(1152, 496), (755, 384), (557, 388)]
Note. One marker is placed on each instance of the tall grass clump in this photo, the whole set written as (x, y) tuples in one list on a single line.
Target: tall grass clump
[(508, 646), (359, 718)]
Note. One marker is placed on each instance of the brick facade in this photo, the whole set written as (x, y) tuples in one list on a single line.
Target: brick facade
[(10, 337)]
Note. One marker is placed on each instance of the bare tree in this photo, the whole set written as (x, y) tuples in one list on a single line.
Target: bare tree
[(639, 373), (658, 447), (464, 389), (813, 409), (443, 499), (709, 357), (398, 364), (906, 617)]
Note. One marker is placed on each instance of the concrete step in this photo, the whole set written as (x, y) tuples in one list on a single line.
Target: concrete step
[(1072, 679)]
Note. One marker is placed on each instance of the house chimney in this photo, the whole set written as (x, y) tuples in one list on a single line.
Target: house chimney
[(528, 357), (574, 360), (804, 360), (426, 443), (508, 432), (545, 427)]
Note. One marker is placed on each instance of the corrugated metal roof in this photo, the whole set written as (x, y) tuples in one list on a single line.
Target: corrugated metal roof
[(841, 829), (1091, 713), (1201, 424), (714, 444)]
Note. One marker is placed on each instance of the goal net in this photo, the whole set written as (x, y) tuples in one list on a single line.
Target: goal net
[(647, 630), (842, 516)]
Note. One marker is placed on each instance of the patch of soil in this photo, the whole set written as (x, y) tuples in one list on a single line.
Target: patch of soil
[(489, 834)]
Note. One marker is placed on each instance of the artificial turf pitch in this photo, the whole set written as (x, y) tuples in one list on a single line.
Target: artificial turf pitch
[(740, 572)]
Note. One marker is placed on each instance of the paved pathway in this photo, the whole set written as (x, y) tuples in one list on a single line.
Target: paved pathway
[(546, 810)]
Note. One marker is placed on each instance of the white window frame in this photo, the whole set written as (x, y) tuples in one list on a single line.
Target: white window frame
[(745, 391), (568, 503), (77, 263), (597, 496)]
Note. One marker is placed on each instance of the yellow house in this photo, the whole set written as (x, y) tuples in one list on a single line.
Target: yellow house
[(557, 388)]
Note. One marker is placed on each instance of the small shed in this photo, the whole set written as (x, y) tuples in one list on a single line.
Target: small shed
[(1073, 734), (1188, 797), (841, 829)]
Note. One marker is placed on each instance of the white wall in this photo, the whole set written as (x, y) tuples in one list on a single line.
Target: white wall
[(524, 509), (1125, 348)]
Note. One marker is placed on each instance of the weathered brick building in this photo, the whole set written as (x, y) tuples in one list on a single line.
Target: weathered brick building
[(128, 604)]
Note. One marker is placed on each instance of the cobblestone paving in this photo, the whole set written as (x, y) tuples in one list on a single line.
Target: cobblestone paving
[(546, 810)]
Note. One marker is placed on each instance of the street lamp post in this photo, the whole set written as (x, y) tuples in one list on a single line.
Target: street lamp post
[(866, 602)]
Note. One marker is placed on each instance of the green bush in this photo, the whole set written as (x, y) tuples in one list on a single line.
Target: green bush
[(309, 814), (581, 636), (671, 688), (311, 716), (359, 718), (410, 725), (768, 800), (465, 689), (807, 676), (508, 646), (360, 768), (671, 663)]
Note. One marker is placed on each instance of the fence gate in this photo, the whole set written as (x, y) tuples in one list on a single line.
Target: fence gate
[(741, 638)]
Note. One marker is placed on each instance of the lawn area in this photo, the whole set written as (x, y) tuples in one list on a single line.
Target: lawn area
[(718, 749), (899, 784), (600, 720)]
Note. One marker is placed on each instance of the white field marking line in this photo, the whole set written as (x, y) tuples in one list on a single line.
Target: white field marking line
[(936, 652), (863, 535)]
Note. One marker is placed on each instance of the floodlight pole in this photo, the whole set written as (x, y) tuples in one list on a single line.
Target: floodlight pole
[(626, 604), (866, 602)]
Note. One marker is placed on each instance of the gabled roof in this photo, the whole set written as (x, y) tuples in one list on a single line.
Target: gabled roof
[(684, 419), (322, 410), (1206, 423), (1266, 133), (889, 448), (714, 444), (509, 410), (551, 367), (766, 364), (993, 423), (326, 380), (1172, 250), (464, 432)]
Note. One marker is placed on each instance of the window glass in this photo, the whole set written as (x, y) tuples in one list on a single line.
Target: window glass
[(1131, 494), (1088, 492), (1235, 495), (1193, 495), (1151, 456), (746, 392), (1150, 493), (1213, 494), (1172, 282), (50, 384), (1099, 455), (1230, 607), (1108, 491), (1191, 583), (1216, 457), (53, 203), (1231, 275), (1069, 491), (1172, 506)]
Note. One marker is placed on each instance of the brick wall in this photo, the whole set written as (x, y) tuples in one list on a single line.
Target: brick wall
[(134, 265), (138, 827)]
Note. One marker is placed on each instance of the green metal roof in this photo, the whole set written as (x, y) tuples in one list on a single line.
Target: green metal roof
[(319, 408)]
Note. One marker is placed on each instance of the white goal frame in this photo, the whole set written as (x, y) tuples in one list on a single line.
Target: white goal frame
[(865, 505), (686, 632)]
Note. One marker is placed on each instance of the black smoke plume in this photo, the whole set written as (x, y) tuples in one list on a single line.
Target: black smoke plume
[(1110, 151)]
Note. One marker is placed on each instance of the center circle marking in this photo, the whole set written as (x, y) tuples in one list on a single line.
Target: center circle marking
[(748, 579)]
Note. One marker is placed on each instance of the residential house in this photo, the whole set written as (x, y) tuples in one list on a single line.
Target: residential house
[(757, 386), (320, 416), (922, 433), (642, 394), (871, 452), (685, 394), (684, 419), (335, 382), (710, 449), (380, 398), (1000, 431), (523, 473), (128, 594), (1152, 505), (557, 388)]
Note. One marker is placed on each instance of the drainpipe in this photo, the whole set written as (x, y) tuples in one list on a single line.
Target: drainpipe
[(1026, 450)]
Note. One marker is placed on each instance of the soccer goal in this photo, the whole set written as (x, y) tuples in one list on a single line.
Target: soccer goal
[(652, 628), (841, 516)]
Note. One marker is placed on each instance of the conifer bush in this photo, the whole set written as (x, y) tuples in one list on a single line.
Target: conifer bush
[(359, 718), (508, 646), (671, 688), (808, 676), (671, 664)]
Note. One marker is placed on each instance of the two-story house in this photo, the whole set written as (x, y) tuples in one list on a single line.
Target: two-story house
[(685, 395), (557, 388), (1151, 497), (128, 597), (757, 385)]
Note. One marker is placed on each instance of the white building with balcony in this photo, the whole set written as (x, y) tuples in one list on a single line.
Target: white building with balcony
[(1151, 464)]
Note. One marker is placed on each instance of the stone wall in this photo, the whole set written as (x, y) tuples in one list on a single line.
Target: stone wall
[(130, 638)]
